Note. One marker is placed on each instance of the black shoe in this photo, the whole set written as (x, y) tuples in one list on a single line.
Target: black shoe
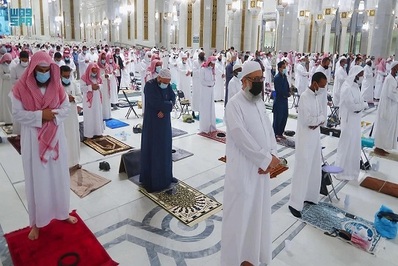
[(295, 212), (309, 202), (174, 180), (193, 115)]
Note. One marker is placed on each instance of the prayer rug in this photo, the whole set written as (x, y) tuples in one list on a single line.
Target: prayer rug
[(179, 154), (107, 145), (15, 142), (59, 243), (326, 217), (7, 129), (282, 167), (188, 205), (381, 186), (175, 132), (114, 123), (83, 182), (213, 135), (392, 156), (289, 143), (293, 116)]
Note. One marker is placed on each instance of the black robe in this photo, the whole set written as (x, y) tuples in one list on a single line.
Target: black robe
[(156, 140)]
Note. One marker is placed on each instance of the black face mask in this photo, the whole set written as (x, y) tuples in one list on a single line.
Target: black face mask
[(326, 67), (219, 59), (257, 88), (67, 61)]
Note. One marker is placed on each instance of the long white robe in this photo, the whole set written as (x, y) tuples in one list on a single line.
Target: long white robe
[(386, 131), (106, 96), (196, 85), (349, 147), (323, 93), (113, 86), (93, 120), (367, 84), (5, 89), (267, 73), (184, 81), (234, 86), (380, 76), (301, 78), (306, 180), (125, 80), (339, 78), (47, 186), (219, 85), (207, 119), (246, 224), (82, 58), (143, 69), (71, 125), (16, 73)]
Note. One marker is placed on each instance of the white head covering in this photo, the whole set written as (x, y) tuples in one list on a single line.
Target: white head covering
[(394, 63), (368, 60), (250, 67), (236, 66), (165, 73), (354, 71)]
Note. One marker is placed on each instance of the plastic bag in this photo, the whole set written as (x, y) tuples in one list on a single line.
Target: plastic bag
[(384, 226)]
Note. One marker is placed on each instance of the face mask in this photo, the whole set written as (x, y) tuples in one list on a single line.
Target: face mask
[(24, 64), (103, 61), (326, 67), (42, 77), (345, 66), (239, 75), (8, 49), (163, 85), (67, 60), (219, 59), (65, 80), (157, 69), (6, 64), (285, 71), (110, 61), (93, 75), (359, 81), (92, 52), (303, 63), (257, 88), (84, 52), (184, 62)]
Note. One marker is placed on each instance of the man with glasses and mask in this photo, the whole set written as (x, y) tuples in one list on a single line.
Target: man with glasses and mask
[(40, 105), (156, 150), (306, 180), (251, 155)]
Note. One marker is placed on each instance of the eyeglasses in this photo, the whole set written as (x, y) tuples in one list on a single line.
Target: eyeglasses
[(256, 79)]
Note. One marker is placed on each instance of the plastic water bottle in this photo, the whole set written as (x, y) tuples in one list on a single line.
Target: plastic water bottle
[(288, 245), (124, 137), (346, 201), (375, 166)]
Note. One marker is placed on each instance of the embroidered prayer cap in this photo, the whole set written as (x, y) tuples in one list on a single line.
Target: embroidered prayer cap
[(236, 66), (165, 73), (250, 67)]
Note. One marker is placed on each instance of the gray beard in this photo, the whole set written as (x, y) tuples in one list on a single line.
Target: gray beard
[(250, 97)]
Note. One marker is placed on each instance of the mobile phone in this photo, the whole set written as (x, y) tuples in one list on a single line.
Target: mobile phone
[(349, 215)]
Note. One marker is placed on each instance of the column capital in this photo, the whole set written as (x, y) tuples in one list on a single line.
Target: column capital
[(345, 21), (329, 19), (255, 11)]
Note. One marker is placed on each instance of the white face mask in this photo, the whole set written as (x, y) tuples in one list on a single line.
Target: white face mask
[(239, 75), (24, 64), (360, 80)]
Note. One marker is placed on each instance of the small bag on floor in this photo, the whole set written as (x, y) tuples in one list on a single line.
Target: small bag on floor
[(386, 222)]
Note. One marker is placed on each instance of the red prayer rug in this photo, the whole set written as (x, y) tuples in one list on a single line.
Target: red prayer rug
[(59, 243), (217, 135)]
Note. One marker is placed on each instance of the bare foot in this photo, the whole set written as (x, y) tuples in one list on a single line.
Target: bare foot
[(34, 233), (71, 219), (246, 263)]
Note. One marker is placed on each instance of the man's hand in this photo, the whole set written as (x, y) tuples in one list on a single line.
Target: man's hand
[(48, 115), (274, 163), (95, 87), (71, 98), (160, 115)]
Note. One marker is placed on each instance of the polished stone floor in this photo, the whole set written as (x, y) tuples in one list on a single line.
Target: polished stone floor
[(135, 231)]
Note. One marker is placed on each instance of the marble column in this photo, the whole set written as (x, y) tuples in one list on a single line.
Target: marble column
[(290, 28), (383, 28), (281, 11), (230, 28), (343, 38), (371, 20), (254, 34), (302, 26), (248, 31), (220, 28), (207, 25), (320, 25), (196, 22), (182, 24), (328, 28)]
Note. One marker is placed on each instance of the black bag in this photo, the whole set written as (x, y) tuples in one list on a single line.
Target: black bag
[(130, 163), (104, 166), (325, 181), (137, 129)]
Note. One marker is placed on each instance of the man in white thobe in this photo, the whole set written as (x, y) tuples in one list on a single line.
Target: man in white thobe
[(368, 82), (185, 79), (220, 80), (386, 126), (83, 60), (301, 76), (251, 154), (351, 106), (306, 180), (339, 78), (323, 94), (235, 84), (268, 67)]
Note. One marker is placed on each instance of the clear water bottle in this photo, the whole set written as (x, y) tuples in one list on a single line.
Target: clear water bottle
[(346, 201), (124, 136)]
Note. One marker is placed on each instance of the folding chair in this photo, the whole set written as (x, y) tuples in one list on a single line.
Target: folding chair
[(133, 81), (184, 103), (364, 162), (327, 172), (296, 97), (333, 118), (131, 105)]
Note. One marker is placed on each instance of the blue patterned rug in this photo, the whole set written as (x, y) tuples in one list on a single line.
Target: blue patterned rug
[(325, 216)]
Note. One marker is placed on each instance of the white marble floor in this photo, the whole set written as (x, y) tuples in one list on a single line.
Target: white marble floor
[(135, 231)]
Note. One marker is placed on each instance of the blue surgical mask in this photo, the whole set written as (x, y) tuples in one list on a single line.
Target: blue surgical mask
[(163, 85), (285, 71), (65, 80), (239, 75), (157, 69), (42, 77), (103, 61)]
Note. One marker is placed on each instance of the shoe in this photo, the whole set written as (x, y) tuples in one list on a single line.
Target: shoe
[(295, 212), (309, 202), (174, 180)]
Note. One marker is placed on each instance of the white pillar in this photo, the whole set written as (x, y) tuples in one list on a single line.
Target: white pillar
[(328, 28), (248, 31), (255, 36), (182, 25), (196, 22), (230, 28), (281, 16), (320, 24), (220, 27), (302, 25), (370, 34), (344, 25)]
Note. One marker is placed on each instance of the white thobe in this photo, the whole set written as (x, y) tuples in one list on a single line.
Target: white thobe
[(246, 224), (184, 81), (82, 58), (47, 186), (267, 73), (125, 81), (323, 93), (368, 84), (207, 119), (143, 69), (386, 131), (380, 76), (196, 85), (93, 120), (339, 78), (113, 86), (71, 125), (301, 78), (234, 86), (219, 85), (349, 147), (16, 73), (306, 180), (106, 96), (5, 89)]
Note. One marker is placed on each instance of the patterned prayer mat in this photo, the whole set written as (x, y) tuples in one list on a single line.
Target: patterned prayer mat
[(392, 156), (282, 167), (60, 243), (213, 135), (15, 142), (7, 129), (107, 145), (83, 182), (179, 154), (293, 116), (175, 132), (188, 205), (381, 186), (289, 143), (325, 217)]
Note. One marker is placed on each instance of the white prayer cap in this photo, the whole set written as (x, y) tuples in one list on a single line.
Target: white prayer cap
[(303, 57), (355, 70), (389, 59), (3, 50), (236, 66), (165, 73), (394, 63), (184, 56), (368, 60), (250, 67)]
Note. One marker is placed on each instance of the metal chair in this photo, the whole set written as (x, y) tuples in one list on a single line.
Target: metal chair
[(333, 119), (131, 105), (184, 103), (327, 172)]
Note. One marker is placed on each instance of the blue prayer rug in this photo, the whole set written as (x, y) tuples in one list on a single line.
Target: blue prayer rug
[(114, 123), (326, 217)]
